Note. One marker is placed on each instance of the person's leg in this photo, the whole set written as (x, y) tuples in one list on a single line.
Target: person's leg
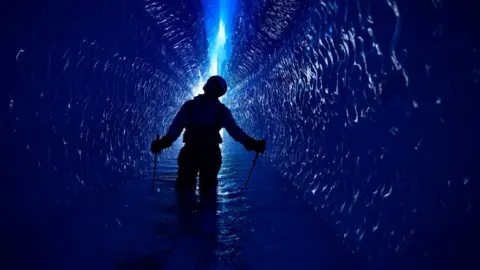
[(209, 168), (187, 171), (210, 165), (187, 203)]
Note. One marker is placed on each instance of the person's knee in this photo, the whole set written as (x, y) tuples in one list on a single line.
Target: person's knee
[(208, 183), (209, 194), (185, 186), (186, 181), (186, 176)]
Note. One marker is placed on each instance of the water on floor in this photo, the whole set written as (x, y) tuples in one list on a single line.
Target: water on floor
[(262, 227)]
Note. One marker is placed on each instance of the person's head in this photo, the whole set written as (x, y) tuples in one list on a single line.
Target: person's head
[(216, 86)]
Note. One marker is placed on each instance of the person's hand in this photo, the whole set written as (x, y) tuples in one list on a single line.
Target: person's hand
[(156, 147), (260, 146), (252, 144), (160, 144)]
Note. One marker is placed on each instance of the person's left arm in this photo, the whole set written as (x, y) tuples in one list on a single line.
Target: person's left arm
[(178, 123), (174, 130)]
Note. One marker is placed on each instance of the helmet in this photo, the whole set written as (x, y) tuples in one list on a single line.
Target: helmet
[(216, 86)]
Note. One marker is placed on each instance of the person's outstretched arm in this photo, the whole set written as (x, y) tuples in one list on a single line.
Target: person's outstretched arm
[(232, 128), (237, 133), (178, 123), (240, 136), (173, 132)]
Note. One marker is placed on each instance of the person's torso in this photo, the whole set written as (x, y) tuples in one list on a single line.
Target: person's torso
[(203, 121)]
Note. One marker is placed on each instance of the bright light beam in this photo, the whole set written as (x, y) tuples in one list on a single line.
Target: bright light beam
[(216, 57), (214, 65), (221, 37)]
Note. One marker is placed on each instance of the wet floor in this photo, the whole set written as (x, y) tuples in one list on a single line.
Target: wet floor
[(263, 227)]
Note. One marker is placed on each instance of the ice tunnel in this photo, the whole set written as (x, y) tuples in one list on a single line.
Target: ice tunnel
[(369, 110)]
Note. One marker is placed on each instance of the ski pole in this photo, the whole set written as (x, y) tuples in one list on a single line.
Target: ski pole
[(251, 170), (155, 166)]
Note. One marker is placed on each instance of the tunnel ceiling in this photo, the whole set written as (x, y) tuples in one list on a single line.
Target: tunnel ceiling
[(180, 25), (262, 26)]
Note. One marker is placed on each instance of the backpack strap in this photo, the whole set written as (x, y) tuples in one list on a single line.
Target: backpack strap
[(218, 121)]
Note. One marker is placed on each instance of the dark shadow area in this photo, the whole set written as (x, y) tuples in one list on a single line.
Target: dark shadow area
[(148, 263), (198, 220)]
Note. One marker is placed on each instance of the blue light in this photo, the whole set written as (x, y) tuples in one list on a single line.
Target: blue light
[(221, 37), (218, 20), (217, 55)]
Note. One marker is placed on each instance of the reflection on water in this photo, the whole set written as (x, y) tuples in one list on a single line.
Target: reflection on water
[(233, 228), (201, 231)]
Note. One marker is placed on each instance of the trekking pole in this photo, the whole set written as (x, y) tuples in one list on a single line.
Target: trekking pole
[(155, 167), (251, 170)]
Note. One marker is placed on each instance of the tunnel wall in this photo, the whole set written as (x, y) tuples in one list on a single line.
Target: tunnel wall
[(368, 107), (86, 86)]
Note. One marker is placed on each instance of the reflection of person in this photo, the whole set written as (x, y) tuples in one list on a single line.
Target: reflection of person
[(202, 118), (198, 223), (198, 216)]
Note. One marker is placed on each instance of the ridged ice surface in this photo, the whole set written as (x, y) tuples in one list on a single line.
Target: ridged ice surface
[(104, 89), (335, 102)]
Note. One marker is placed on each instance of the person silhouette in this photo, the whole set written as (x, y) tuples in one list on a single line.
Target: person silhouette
[(202, 118)]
